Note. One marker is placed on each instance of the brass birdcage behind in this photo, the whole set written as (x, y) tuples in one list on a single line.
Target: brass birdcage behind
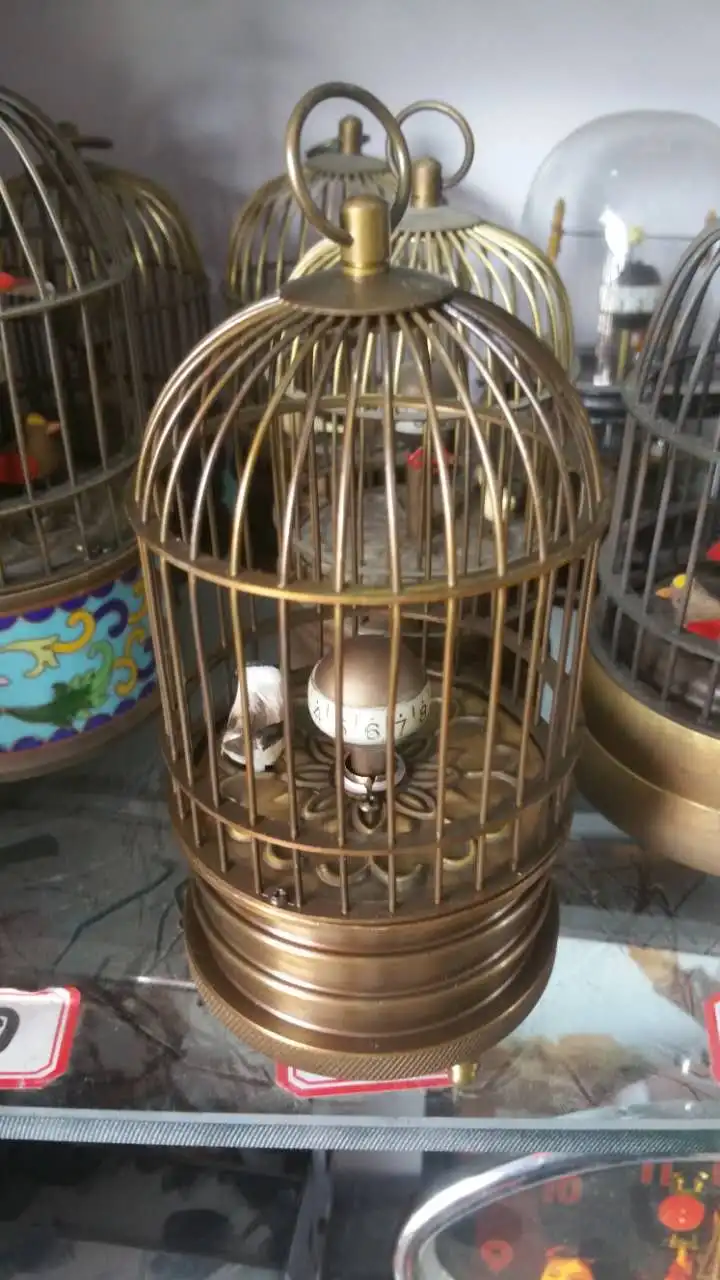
[(652, 687), (170, 290), (371, 748), (478, 256), (271, 234), (76, 662)]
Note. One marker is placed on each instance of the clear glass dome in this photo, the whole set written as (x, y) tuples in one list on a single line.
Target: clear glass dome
[(616, 204)]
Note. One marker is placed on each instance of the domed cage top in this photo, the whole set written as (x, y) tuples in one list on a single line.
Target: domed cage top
[(271, 233), (70, 406), (478, 256), (657, 621), (382, 730), (617, 202), (170, 290)]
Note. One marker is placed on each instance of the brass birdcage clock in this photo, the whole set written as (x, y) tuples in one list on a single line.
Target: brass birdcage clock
[(170, 290), (443, 237), (271, 233), (652, 684), (76, 662), (371, 747)]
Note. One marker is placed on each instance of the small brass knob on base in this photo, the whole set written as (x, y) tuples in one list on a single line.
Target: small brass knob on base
[(462, 1074)]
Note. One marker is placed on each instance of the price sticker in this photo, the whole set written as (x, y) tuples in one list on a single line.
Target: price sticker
[(37, 1029), (712, 1027), (303, 1084)]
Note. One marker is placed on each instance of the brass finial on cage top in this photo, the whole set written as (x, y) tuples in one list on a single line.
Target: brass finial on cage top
[(448, 240), (427, 186), (371, 739), (429, 181), (350, 135)]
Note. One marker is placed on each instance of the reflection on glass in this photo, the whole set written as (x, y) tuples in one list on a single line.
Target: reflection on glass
[(554, 1218), (616, 204)]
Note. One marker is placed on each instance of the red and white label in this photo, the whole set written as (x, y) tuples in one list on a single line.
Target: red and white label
[(37, 1029), (712, 1026), (303, 1084)]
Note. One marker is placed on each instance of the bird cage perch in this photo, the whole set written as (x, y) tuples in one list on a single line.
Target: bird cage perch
[(371, 766), (652, 688), (76, 663), (271, 233), (170, 291)]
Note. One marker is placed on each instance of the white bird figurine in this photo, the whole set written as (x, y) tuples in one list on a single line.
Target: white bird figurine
[(266, 709), (617, 239)]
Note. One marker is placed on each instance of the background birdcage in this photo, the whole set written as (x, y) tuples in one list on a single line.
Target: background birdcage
[(170, 290), (480, 257), (75, 655), (617, 203), (407, 854), (271, 233), (450, 240), (653, 680)]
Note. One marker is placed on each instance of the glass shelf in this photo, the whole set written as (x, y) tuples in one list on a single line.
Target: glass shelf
[(612, 1059)]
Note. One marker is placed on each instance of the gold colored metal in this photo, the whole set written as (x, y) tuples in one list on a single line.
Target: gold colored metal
[(444, 109), (377, 897), (557, 230), (652, 682), (364, 285), (271, 233), (170, 288), (73, 625), (365, 218), (350, 135), (340, 293), (399, 162), (653, 777), (475, 255), (463, 1074), (427, 185)]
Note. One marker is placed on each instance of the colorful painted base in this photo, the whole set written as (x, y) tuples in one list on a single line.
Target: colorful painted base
[(74, 671)]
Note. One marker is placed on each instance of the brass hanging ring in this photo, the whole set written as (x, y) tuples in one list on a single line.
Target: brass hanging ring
[(444, 109), (397, 148)]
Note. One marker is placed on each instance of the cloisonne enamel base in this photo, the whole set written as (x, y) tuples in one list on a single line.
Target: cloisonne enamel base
[(76, 667)]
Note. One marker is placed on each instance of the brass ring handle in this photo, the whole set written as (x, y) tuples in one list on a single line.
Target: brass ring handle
[(444, 109), (397, 148)]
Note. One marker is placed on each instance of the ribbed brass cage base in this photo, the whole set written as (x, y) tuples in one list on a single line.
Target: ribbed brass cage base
[(657, 779), (412, 1010)]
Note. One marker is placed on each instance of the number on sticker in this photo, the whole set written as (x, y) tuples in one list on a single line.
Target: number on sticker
[(9, 1026)]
